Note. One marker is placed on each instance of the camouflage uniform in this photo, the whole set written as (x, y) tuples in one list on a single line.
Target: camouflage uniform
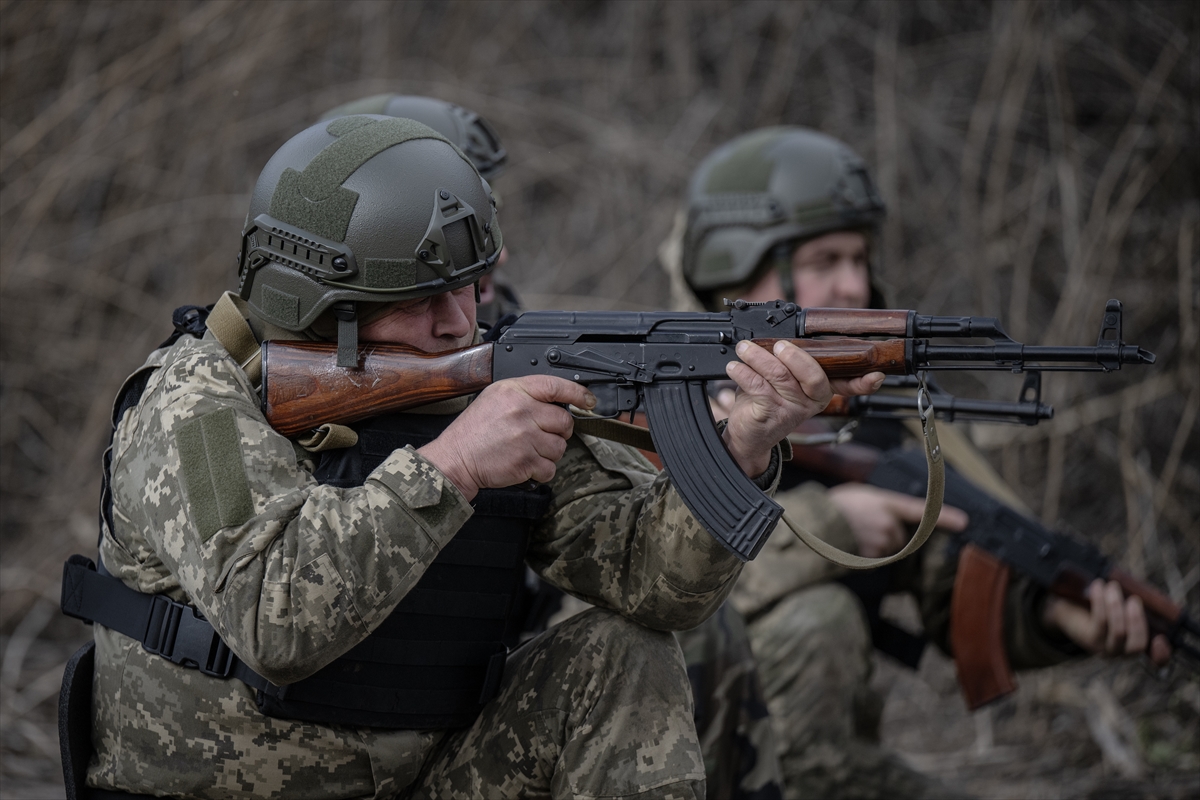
[(813, 644), (736, 736), (214, 508), (809, 633)]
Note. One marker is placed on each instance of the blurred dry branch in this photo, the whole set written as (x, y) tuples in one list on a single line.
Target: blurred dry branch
[(1037, 158)]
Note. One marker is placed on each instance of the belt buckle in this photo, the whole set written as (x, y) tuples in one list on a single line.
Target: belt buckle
[(180, 634)]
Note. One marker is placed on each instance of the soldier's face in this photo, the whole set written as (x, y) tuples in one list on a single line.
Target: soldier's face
[(829, 271), (433, 324)]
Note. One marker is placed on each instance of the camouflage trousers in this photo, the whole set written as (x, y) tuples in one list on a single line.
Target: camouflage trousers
[(814, 657), (598, 706), (736, 736)]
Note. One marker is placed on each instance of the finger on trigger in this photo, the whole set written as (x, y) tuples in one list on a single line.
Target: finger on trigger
[(1115, 600), (1098, 611), (555, 419), (953, 519), (550, 389), (908, 509), (1137, 633)]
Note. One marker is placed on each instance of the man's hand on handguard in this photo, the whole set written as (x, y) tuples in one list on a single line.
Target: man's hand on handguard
[(513, 432), (1115, 625), (779, 390)]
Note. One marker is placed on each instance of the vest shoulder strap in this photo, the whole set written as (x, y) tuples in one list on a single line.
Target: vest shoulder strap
[(228, 323)]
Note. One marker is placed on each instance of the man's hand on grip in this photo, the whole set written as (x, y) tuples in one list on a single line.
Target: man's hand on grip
[(516, 430)]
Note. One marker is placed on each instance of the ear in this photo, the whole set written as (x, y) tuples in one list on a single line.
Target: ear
[(485, 290)]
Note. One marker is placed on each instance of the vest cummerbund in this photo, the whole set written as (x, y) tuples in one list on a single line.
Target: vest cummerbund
[(438, 658)]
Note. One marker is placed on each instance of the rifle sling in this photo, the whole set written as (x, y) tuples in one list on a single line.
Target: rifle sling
[(934, 493), (635, 436), (616, 431), (233, 332)]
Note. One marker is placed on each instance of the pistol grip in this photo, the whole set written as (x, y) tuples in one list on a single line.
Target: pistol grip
[(977, 627), (712, 485)]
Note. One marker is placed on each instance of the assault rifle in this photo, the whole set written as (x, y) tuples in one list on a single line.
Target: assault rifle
[(997, 541), (659, 363)]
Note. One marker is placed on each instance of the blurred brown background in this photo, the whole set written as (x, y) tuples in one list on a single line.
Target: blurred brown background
[(1038, 158)]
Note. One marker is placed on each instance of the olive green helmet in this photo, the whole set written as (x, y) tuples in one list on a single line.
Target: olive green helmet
[(471, 132), (771, 187), (363, 209)]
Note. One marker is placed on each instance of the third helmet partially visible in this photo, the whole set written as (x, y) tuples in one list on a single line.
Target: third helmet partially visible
[(766, 188), (471, 132)]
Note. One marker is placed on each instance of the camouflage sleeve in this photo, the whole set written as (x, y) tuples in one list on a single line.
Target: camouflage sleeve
[(618, 536), (292, 574), (786, 564)]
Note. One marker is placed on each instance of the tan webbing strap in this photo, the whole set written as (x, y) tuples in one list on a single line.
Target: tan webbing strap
[(616, 431), (329, 437), (933, 508), (960, 454), (228, 324), (635, 436), (227, 321)]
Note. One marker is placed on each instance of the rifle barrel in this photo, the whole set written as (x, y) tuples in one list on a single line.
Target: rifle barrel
[(949, 407), (1012, 355)]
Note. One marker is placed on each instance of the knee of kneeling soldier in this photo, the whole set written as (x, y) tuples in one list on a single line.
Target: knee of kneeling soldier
[(815, 617)]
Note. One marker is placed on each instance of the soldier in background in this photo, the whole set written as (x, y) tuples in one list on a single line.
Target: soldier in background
[(788, 213)]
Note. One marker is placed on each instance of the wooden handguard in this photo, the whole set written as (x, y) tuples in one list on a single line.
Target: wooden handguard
[(855, 322), (977, 627), (850, 358)]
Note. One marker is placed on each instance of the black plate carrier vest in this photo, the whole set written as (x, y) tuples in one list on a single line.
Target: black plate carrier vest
[(438, 658), (433, 663)]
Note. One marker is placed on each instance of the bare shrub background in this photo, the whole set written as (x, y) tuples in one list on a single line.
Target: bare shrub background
[(1037, 158)]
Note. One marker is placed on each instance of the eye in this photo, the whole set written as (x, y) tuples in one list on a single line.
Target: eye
[(417, 306)]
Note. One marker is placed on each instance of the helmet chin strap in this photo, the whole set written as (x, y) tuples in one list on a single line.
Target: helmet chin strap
[(781, 255), (347, 333)]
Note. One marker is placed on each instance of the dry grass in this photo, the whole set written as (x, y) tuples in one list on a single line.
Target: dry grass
[(1038, 159)]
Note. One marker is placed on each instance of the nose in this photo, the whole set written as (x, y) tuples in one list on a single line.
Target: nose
[(448, 319), (851, 284)]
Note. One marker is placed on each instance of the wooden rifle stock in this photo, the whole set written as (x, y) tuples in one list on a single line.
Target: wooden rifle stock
[(303, 387)]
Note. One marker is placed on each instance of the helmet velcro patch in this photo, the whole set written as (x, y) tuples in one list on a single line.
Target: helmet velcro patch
[(390, 273), (315, 199)]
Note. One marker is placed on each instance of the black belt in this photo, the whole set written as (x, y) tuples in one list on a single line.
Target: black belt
[(176, 631)]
